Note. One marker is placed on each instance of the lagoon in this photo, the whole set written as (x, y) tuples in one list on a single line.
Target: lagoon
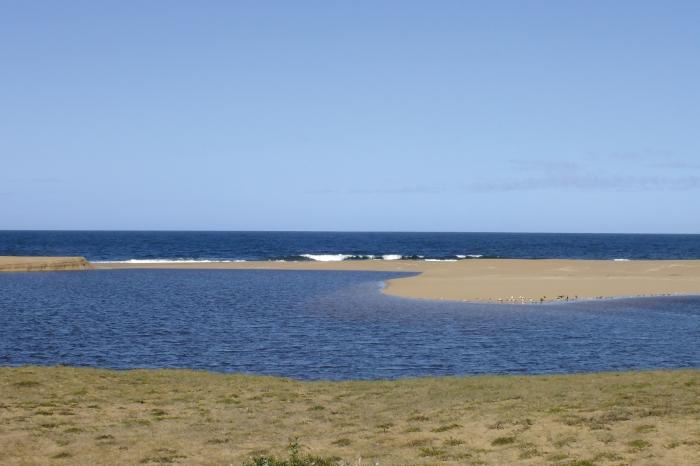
[(325, 325)]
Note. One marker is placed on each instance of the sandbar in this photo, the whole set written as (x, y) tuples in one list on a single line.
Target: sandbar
[(500, 280)]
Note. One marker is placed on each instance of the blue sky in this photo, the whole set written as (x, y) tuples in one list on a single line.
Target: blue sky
[(561, 116)]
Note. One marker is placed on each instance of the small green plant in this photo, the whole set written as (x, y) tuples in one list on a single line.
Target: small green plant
[(581, 463), (498, 441), (163, 456), (385, 427), (342, 442), (638, 444), (431, 451), (26, 383), (135, 422), (607, 456), (453, 442), (217, 441), (646, 428), (294, 458), (418, 442), (294, 448), (446, 427)]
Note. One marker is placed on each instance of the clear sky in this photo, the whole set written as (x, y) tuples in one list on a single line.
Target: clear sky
[(559, 116)]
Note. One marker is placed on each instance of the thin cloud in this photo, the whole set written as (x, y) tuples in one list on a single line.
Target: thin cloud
[(544, 165), (636, 156), (586, 182), (418, 189), (554, 175), (398, 190), (674, 165), (35, 180)]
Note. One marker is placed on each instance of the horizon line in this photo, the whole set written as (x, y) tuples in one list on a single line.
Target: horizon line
[(337, 231)]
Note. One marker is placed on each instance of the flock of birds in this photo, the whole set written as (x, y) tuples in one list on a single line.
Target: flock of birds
[(526, 300)]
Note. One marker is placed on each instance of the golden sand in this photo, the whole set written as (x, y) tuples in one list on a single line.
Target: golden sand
[(496, 280), (502, 280)]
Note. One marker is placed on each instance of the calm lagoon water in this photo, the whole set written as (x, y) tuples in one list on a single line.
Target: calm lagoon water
[(324, 325)]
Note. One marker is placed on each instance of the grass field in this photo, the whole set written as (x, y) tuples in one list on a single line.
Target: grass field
[(86, 417)]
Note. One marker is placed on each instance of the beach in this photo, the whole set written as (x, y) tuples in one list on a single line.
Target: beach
[(499, 280), (491, 280)]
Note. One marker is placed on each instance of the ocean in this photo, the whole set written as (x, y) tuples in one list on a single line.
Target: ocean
[(148, 246)]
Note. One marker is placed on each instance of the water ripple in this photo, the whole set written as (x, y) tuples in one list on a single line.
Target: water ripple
[(324, 325)]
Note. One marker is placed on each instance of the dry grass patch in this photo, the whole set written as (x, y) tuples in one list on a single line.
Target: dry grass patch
[(86, 416)]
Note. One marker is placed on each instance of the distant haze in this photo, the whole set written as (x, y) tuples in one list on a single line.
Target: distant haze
[(314, 115)]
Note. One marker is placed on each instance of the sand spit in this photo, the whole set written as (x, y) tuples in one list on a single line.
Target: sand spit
[(500, 280), (42, 264)]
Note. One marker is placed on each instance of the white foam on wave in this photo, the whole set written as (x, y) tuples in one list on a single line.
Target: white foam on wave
[(327, 257), (167, 261), (313, 257), (621, 260)]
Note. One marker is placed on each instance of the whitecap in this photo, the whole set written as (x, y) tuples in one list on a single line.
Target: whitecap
[(167, 261), (327, 257)]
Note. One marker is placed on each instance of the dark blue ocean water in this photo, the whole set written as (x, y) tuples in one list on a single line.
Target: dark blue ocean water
[(120, 246), (324, 325)]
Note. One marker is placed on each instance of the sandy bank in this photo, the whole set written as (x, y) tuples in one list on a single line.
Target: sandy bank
[(504, 280), (42, 264)]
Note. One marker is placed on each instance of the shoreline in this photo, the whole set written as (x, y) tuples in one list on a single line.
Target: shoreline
[(497, 280), (518, 281)]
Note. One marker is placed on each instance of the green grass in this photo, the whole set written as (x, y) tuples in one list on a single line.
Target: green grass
[(68, 416), (498, 441)]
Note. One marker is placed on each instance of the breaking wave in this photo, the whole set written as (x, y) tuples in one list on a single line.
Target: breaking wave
[(301, 258), (168, 261)]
